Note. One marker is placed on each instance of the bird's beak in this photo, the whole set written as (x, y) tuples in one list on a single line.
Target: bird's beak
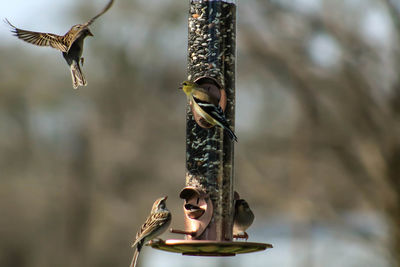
[(165, 198), (180, 87), (90, 33)]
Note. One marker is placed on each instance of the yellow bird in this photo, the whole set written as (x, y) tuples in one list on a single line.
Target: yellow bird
[(206, 106)]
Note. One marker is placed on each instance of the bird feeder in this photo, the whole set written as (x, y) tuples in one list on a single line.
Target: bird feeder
[(209, 195)]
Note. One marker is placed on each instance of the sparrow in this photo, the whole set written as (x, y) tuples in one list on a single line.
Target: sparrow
[(71, 44), (242, 220), (156, 224), (206, 106)]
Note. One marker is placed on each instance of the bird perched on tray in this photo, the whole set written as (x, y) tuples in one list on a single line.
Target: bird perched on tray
[(206, 106), (156, 224), (71, 44), (243, 218)]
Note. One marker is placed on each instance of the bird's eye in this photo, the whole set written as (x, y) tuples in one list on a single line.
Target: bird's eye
[(185, 84)]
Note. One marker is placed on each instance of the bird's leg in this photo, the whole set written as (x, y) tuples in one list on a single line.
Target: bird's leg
[(246, 236), (243, 235)]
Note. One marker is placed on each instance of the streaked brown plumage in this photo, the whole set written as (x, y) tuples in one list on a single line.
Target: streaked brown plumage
[(71, 44), (156, 224)]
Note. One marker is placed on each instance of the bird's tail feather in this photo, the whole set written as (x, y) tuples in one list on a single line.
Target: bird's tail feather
[(225, 125), (77, 76), (135, 257), (231, 134)]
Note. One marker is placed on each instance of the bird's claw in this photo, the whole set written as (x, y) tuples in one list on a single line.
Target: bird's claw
[(241, 236)]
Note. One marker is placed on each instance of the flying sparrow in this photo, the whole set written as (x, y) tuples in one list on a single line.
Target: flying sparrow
[(243, 218), (71, 44), (156, 224)]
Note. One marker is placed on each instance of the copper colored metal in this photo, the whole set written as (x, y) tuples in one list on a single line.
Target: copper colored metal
[(176, 231), (208, 248), (190, 191), (198, 210), (193, 212), (236, 195), (218, 94)]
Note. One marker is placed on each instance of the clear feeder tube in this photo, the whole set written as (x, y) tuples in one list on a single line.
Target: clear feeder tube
[(209, 151)]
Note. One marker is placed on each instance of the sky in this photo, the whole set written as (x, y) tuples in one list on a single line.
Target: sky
[(39, 15)]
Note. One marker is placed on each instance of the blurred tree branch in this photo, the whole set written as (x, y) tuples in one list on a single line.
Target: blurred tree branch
[(345, 115)]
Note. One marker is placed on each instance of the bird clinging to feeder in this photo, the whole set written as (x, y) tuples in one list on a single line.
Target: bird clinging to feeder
[(242, 220), (205, 105)]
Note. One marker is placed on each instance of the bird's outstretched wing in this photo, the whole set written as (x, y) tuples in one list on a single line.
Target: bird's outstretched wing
[(39, 38), (101, 13)]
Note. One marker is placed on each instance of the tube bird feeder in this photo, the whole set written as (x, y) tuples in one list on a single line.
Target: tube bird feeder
[(209, 195)]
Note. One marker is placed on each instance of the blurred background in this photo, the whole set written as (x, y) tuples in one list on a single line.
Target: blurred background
[(318, 108)]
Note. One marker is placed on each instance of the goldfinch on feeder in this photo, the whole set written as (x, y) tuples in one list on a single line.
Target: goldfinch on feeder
[(206, 106)]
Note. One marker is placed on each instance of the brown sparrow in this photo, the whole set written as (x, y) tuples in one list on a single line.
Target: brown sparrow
[(71, 44), (243, 218), (156, 224)]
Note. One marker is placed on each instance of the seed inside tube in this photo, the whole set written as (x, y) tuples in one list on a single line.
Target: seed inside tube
[(211, 30)]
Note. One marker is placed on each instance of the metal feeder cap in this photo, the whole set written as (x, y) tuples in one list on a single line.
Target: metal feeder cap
[(189, 191)]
